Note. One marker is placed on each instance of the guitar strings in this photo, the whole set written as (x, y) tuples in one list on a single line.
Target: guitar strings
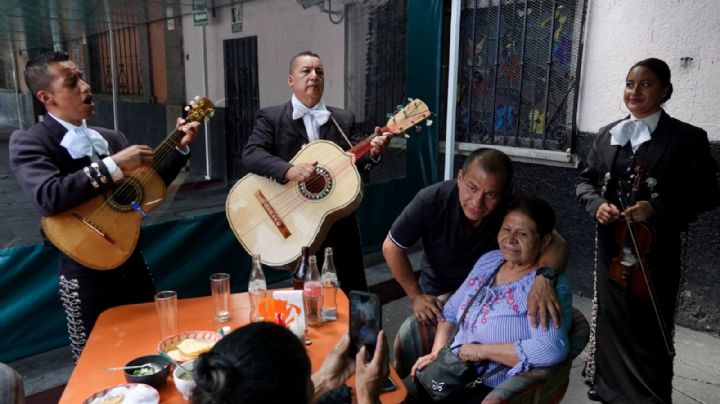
[(287, 202), (125, 190), (167, 146)]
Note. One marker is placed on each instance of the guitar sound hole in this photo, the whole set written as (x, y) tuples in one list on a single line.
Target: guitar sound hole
[(318, 186), (121, 198)]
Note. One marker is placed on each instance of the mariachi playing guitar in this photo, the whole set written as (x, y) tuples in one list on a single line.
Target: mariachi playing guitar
[(102, 232), (277, 220)]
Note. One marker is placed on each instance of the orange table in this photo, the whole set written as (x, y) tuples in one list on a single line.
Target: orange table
[(125, 332)]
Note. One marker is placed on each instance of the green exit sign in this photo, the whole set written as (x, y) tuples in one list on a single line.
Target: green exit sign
[(200, 18)]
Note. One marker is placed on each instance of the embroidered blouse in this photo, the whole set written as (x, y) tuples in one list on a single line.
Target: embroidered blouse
[(499, 315)]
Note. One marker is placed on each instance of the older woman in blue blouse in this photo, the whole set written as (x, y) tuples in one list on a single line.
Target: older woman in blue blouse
[(496, 330)]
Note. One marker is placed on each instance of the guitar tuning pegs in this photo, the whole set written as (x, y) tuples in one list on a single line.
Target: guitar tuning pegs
[(429, 122), (197, 98), (410, 99), (187, 108), (399, 107)]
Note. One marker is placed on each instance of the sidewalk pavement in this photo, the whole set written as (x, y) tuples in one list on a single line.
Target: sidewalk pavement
[(697, 365)]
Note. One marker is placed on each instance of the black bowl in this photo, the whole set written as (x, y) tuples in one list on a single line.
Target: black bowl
[(157, 379)]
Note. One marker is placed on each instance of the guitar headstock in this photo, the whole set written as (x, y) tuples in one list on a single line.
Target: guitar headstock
[(199, 109), (410, 115)]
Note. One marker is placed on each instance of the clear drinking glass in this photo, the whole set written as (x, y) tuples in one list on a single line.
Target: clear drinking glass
[(220, 290), (166, 305)]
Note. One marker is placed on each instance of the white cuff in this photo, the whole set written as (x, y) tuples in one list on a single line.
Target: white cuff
[(184, 151), (115, 171)]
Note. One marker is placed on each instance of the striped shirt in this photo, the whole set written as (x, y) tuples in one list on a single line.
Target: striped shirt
[(499, 315)]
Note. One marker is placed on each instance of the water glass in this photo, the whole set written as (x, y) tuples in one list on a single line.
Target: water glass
[(220, 290), (166, 305)]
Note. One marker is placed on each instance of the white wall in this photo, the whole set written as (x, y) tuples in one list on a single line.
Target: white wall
[(283, 28), (622, 32)]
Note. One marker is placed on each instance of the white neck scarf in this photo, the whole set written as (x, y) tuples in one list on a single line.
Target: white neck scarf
[(634, 130), (313, 118), (81, 141)]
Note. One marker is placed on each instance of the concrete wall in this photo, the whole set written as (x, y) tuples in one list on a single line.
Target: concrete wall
[(283, 29), (620, 33)]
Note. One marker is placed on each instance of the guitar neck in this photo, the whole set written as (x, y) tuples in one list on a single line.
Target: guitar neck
[(166, 147), (362, 148)]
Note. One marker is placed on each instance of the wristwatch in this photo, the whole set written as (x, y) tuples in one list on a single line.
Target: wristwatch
[(548, 273)]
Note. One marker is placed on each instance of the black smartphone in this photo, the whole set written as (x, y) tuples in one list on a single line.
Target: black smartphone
[(365, 322), (389, 385)]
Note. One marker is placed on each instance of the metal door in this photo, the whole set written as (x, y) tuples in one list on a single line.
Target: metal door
[(241, 91)]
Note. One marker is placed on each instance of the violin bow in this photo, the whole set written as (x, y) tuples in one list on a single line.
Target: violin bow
[(658, 315)]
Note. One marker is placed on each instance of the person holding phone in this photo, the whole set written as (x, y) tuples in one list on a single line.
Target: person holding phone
[(495, 330), (266, 363)]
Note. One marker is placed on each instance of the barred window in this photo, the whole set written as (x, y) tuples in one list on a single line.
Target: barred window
[(518, 72), (6, 73), (127, 61)]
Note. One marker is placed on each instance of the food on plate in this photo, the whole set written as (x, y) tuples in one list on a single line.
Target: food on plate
[(185, 376), (113, 400), (189, 349), (127, 394), (149, 369), (193, 347)]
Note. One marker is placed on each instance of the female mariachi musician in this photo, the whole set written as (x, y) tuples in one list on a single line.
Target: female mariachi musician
[(646, 177)]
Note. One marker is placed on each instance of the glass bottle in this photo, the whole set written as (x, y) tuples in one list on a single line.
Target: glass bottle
[(312, 294), (257, 288), (298, 275), (329, 286)]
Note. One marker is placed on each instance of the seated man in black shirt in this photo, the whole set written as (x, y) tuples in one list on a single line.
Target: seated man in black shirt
[(458, 221)]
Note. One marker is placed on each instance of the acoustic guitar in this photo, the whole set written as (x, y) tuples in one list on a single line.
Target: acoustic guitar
[(276, 220), (102, 233)]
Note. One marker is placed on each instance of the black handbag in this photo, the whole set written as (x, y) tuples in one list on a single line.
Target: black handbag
[(448, 375)]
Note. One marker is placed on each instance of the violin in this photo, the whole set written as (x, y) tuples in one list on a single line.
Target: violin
[(630, 269)]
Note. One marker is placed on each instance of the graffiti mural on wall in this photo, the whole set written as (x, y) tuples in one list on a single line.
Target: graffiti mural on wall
[(516, 85)]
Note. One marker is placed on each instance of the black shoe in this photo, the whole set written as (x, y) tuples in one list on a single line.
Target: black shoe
[(592, 395)]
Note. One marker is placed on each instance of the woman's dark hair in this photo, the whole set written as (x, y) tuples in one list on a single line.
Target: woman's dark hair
[(661, 70), (537, 209), (257, 363)]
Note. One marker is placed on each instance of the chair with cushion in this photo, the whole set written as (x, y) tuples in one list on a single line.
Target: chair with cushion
[(11, 386), (539, 385)]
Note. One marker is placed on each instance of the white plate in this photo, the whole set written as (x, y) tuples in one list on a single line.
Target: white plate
[(134, 393)]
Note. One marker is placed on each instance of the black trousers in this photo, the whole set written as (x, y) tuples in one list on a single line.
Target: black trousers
[(85, 293), (344, 238)]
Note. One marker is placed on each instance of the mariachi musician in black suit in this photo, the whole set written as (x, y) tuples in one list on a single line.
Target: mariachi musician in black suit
[(280, 132), (61, 163), (645, 179)]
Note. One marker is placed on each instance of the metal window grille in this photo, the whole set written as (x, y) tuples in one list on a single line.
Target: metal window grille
[(385, 74), (375, 46), (127, 62), (5, 75), (519, 64)]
